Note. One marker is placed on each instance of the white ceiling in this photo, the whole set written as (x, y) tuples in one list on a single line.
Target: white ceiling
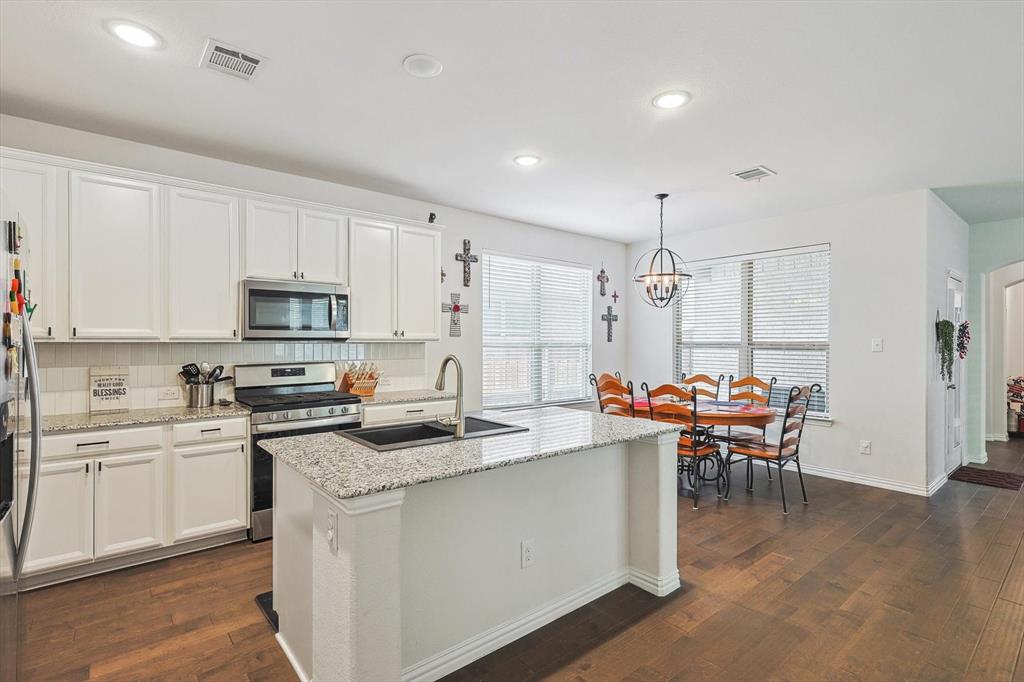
[(843, 100)]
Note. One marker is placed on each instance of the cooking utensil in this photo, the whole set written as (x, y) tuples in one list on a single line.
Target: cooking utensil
[(204, 370), (191, 369), (227, 378), (214, 374)]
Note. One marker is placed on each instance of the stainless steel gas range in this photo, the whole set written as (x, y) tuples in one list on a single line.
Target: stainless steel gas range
[(287, 400)]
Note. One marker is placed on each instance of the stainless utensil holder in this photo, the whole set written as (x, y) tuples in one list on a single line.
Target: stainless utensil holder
[(199, 395)]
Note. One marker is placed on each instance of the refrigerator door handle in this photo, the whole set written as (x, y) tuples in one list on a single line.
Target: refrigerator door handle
[(35, 448)]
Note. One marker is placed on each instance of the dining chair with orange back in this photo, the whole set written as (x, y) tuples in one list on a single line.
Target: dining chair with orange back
[(706, 385), (678, 405), (753, 391), (788, 448), (613, 396)]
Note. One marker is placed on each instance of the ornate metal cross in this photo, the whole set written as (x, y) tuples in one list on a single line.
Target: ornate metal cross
[(467, 259), (609, 317), (602, 277), (615, 296), (456, 309)]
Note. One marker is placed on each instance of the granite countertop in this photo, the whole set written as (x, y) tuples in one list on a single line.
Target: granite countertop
[(83, 421), (410, 396), (344, 469)]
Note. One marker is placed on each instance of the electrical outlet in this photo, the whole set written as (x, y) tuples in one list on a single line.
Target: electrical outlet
[(169, 393), (865, 447), (876, 345), (332, 531), (384, 381), (526, 553)]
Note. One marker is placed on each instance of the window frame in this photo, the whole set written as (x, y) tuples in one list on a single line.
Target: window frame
[(536, 391), (746, 346)]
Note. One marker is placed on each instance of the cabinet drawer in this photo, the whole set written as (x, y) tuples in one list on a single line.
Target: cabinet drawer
[(427, 410), (216, 429), (98, 442)]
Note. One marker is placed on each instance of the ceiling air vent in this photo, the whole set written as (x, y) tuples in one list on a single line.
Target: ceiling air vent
[(755, 173), (230, 60)]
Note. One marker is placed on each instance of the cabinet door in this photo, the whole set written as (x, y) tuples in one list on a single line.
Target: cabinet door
[(372, 280), (202, 265), (30, 197), (419, 283), (129, 503), (209, 490), (61, 532), (271, 240), (323, 247), (115, 258)]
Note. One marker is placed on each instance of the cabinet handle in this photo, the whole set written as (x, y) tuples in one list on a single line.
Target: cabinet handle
[(403, 332), (49, 331), (104, 443), (413, 411), (395, 333), (205, 431), (99, 467), (295, 274), (234, 333), (86, 467), (302, 275), (74, 331)]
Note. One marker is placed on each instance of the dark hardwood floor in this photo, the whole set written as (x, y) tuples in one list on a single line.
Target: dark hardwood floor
[(863, 584)]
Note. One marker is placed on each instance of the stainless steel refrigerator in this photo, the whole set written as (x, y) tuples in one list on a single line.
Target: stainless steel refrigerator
[(20, 434)]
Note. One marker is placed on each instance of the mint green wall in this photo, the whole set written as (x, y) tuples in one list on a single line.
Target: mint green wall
[(990, 246)]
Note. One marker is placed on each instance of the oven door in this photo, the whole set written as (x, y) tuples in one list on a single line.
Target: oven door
[(294, 310), (261, 521)]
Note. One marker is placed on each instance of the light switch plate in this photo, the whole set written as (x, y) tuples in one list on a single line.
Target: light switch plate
[(865, 447), (876, 345)]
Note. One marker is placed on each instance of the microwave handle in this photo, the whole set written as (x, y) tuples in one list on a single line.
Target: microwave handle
[(332, 314)]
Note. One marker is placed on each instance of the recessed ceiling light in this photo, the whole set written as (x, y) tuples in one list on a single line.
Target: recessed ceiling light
[(671, 100), (422, 65), (526, 160), (134, 34)]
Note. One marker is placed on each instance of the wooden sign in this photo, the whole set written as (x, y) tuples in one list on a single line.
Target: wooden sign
[(108, 389)]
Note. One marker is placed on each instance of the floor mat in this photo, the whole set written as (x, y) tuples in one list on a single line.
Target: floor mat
[(990, 477)]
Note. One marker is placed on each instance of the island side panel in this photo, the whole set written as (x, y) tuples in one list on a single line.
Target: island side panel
[(653, 564), (356, 597), (293, 568), (464, 591)]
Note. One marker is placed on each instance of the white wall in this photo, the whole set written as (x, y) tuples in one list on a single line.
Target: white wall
[(997, 331), (486, 232), (946, 254), (1013, 331), (878, 290), (991, 246)]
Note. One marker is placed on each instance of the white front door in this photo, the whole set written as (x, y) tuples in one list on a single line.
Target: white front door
[(954, 420)]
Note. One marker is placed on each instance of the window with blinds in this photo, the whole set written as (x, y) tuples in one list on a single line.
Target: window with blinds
[(536, 331), (765, 314)]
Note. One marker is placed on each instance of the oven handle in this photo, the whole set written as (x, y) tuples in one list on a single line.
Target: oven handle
[(305, 424)]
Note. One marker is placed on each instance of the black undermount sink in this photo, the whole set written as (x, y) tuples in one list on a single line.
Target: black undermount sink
[(399, 436)]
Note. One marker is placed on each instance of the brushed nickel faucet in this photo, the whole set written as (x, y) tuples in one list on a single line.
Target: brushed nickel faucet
[(459, 420)]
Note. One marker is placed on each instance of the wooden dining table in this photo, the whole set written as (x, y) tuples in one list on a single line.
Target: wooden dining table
[(727, 413)]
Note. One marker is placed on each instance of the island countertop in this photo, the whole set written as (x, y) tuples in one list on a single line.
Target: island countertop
[(344, 468)]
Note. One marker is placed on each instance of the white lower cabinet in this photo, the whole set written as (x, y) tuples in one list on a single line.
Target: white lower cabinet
[(209, 490), (148, 487), (62, 528), (129, 503)]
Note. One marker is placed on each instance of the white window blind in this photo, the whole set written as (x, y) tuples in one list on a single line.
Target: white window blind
[(536, 331), (764, 314)]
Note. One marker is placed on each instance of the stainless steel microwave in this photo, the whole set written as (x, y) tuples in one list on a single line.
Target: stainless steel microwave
[(294, 310)]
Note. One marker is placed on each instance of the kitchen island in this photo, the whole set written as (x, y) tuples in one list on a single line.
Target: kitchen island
[(411, 563)]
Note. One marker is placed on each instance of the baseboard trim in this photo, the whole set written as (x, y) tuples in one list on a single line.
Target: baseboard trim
[(862, 479), (977, 459), (935, 485), (1000, 437), (291, 658), (464, 653), (659, 586)]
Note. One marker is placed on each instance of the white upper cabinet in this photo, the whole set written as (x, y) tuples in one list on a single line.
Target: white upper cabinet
[(419, 283), (323, 247), (115, 278), (202, 265), (372, 280), (30, 197), (129, 503), (395, 280), (271, 240)]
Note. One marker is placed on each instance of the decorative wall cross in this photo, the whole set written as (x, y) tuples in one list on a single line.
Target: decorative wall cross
[(615, 296), (602, 277), (456, 309), (467, 259), (609, 317)]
